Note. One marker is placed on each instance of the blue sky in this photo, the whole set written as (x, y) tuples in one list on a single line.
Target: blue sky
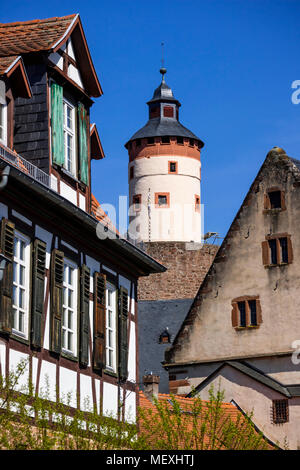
[(231, 63)]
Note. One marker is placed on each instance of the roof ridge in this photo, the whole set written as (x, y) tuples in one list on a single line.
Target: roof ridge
[(36, 21)]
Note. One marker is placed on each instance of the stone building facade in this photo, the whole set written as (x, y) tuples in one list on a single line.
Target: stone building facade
[(242, 329)]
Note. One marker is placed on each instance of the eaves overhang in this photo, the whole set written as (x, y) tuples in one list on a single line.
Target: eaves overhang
[(145, 264)]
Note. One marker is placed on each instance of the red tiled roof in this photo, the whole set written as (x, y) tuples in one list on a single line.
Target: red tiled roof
[(229, 413), (6, 62), (32, 36), (100, 215)]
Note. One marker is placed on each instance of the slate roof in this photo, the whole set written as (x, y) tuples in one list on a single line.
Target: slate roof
[(32, 36), (288, 391), (163, 314), (158, 127)]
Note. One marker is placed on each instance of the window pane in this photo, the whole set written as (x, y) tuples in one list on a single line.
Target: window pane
[(273, 248), (22, 275), (252, 306), (284, 250), (242, 309)]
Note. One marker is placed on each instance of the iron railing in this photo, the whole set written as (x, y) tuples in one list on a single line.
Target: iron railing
[(25, 166)]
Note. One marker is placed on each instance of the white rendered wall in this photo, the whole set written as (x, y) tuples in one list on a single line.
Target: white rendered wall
[(179, 222)]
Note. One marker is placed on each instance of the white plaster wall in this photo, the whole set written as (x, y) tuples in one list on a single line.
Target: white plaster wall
[(68, 193), (180, 222), (98, 396), (47, 382), (86, 396), (132, 354), (3, 356), (82, 202), (57, 59), (68, 386), (110, 399), (53, 182), (15, 358), (74, 74), (130, 406)]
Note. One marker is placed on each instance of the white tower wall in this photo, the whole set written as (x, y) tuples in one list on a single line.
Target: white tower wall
[(181, 220)]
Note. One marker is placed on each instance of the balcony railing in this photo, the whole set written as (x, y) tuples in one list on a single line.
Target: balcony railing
[(24, 165)]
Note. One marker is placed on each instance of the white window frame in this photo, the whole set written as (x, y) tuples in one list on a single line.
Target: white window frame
[(66, 327), (3, 123), (111, 327), (69, 164), (23, 286)]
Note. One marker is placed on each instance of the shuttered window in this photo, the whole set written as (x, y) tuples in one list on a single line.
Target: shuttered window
[(123, 334), (57, 123), (246, 312), (6, 285), (56, 304), (99, 351), (21, 277), (38, 289), (84, 314), (277, 250), (111, 327), (69, 319), (83, 143)]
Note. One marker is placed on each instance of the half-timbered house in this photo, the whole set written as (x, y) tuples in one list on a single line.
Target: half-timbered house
[(68, 280)]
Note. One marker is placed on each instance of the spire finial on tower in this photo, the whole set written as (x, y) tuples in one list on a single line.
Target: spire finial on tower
[(163, 70)]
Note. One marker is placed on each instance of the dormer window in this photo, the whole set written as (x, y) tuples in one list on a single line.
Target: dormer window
[(69, 137), (179, 140), (3, 124), (165, 139), (168, 111), (154, 112), (150, 140)]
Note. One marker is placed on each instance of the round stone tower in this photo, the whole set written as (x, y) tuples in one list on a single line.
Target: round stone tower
[(164, 175)]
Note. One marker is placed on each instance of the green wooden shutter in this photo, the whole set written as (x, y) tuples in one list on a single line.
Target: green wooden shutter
[(123, 332), (83, 144), (6, 285), (57, 276), (99, 320), (57, 124), (38, 289), (84, 315)]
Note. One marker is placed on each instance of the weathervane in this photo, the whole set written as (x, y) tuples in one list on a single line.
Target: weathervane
[(163, 70)]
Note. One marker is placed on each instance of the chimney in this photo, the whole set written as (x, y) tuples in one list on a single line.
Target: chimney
[(151, 383)]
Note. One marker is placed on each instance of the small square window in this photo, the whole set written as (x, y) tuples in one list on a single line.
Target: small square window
[(138, 142), (172, 167), (150, 140), (179, 140), (277, 250), (162, 200), (280, 411), (246, 312), (191, 142), (274, 199), (136, 201)]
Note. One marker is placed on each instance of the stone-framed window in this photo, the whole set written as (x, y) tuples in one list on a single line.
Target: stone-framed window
[(274, 199), (277, 250), (246, 312)]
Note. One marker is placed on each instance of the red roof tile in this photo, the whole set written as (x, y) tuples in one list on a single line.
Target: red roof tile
[(99, 214), (32, 36), (156, 433)]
